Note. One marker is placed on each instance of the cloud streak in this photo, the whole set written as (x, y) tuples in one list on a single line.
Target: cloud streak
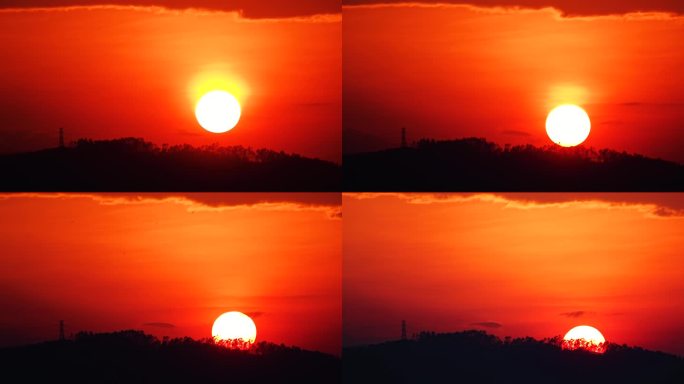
[(564, 8), (327, 203), (159, 325), (262, 9), (487, 324), (575, 314), (236, 16), (651, 205)]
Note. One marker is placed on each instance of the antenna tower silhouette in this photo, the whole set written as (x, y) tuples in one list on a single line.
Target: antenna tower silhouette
[(403, 329), (61, 331)]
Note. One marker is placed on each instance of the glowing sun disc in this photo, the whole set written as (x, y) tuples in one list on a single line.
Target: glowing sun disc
[(218, 111), (235, 329), (568, 125), (584, 337)]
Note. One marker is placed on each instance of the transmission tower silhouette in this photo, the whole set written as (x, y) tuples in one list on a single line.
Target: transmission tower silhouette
[(61, 137), (403, 329), (61, 331)]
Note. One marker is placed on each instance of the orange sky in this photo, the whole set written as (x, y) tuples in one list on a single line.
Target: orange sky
[(116, 71), (535, 265), (451, 71), (112, 262)]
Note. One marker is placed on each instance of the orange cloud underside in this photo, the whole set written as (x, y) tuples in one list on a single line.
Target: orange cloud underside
[(449, 71), (107, 72), (537, 269), (110, 265)]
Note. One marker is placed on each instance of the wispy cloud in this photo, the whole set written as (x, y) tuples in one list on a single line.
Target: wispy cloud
[(651, 205), (159, 325), (315, 14), (575, 314), (326, 203), (645, 10), (487, 324)]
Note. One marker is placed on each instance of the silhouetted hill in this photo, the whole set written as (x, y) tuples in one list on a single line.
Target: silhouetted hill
[(474, 164), (477, 357), (134, 357), (132, 164)]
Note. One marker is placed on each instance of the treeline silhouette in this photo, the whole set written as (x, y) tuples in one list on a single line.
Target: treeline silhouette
[(135, 357), (474, 164), (478, 357), (132, 164)]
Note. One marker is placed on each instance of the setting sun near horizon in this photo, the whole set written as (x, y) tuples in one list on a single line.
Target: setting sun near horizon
[(515, 264), (234, 330), (448, 71), (584, 337), (142, 72), (568, 125), (171, 265)]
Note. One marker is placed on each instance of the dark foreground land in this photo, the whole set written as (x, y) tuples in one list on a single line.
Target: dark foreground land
[(475, 164), (477, 357), (132, 164), (133, 357)]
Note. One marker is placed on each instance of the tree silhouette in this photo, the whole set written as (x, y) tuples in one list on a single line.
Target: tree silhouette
[(132, 164), (134, 357), (474, 164), (478, 357), (239, 343), (586, 345)]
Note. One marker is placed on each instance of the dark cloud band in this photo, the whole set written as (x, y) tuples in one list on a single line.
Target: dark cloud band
[(487, 324), (568, 7), (159, 325), (248, 8), (574, 314)]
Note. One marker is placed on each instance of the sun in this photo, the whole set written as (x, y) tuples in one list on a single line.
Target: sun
[(218, 111), (584, 337), (234, 330), (568, 125)]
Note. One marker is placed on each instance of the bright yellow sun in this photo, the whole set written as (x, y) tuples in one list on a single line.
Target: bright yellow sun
[(568, 125), (218, 111), (234, 330), (584, 337)]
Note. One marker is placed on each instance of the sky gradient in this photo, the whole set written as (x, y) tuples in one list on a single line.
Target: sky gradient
[(449, 71), (169, 265), (515, 265), (116, 71)]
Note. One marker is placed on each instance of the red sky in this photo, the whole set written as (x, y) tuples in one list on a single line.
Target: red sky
[(519, 265), (451, 71), (112, 262), (115, 71)]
